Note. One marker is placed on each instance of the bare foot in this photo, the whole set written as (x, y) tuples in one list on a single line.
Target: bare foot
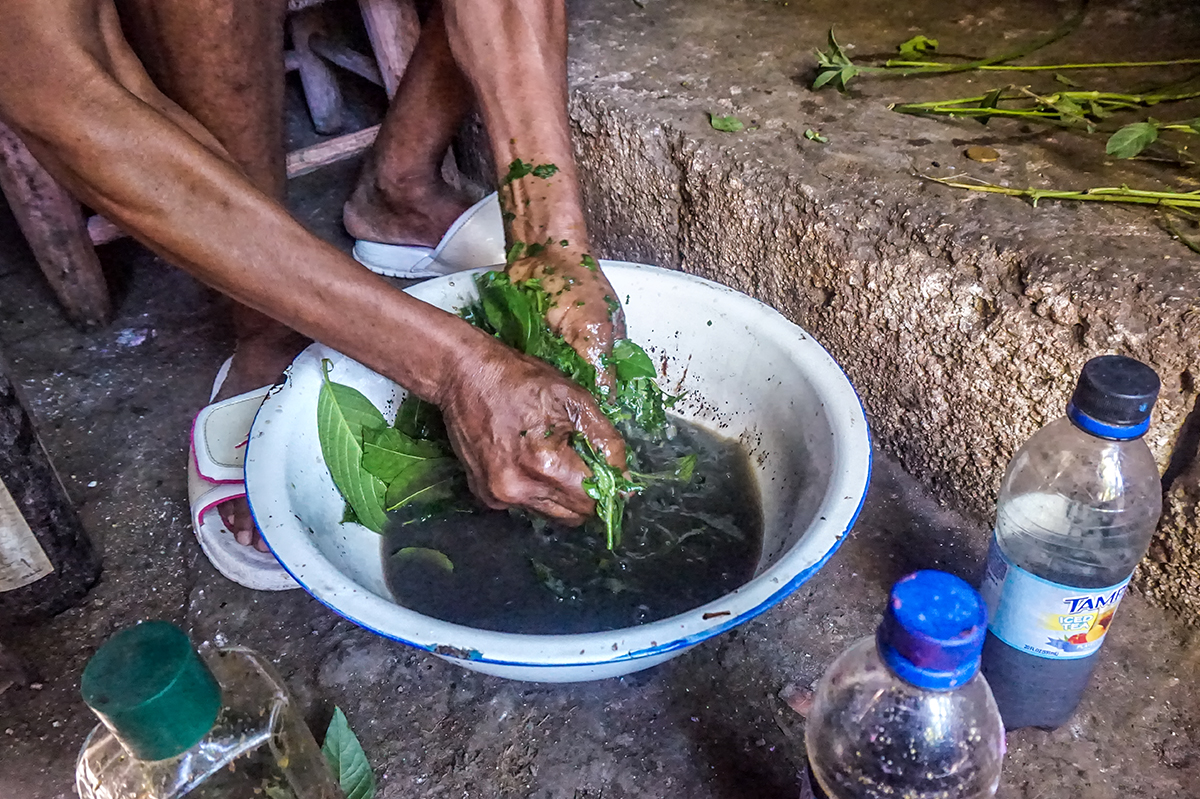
[(258, 361), (416, 212)]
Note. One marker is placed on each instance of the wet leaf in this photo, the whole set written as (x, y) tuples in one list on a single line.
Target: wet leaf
[(608, 487), (343, 413), (419, 419), (546, 577), (631, 361), (728, 124), (424, 483), (1131, 139), (432, 557), (517, 170), (347, 759), (388, 452)]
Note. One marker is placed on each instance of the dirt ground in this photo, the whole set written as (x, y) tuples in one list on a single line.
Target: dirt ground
[(114, 407)]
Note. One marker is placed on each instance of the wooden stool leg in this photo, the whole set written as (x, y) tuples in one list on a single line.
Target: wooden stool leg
[(321, 90), (393, 28), (53, 224)]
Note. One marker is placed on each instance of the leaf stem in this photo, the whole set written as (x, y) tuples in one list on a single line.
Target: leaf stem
[(932, 66), (1111, 194)]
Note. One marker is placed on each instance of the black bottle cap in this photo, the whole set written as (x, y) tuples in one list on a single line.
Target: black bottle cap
[(1114, 397)]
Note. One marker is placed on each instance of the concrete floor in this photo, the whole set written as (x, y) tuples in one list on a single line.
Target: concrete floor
[(114, 407)]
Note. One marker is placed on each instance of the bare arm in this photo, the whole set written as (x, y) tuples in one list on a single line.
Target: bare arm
[(515, 55), (73, 90)]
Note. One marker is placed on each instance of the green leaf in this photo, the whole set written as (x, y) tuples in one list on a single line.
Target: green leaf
[(728, 124), (1131, 139), (685, 468), (388, 452), (917, 47), (813, 135), (515, 253), (419, 419), (424, 483), (1065, 81), (824, 76), (608, 487), (990, 100), (834, 65), (554, 584), (631, 361), (347, 760), (433, 557), (517, 170), (342, 415), (544, 171)]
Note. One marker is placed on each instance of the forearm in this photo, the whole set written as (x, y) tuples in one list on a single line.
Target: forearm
[(136, 165), (514, 54)]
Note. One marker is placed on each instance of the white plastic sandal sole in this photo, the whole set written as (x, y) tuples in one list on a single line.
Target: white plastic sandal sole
[(475, 239), (216, 475)]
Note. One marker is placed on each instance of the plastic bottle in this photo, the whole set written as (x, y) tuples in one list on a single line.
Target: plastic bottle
[(1076, 512), (905, 713), (174, 725), (47, 562)]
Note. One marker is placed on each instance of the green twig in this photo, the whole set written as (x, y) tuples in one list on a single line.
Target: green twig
[(1040, 67), (836, 67), (1110, 194)]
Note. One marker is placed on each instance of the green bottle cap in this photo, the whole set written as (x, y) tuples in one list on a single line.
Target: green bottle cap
[(148, 686)]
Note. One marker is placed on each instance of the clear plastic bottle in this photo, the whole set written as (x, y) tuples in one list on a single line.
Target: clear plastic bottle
[(905, 713), (175, 725), (1076, 512)]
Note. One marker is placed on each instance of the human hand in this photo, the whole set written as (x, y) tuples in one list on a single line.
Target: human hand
[(585, 309), (510, 419)]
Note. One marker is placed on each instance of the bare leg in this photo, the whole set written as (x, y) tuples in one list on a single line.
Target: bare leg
[(222, 62), (401, 197)]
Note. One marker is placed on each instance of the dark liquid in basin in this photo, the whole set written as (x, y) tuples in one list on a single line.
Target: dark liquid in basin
[(683, 545)]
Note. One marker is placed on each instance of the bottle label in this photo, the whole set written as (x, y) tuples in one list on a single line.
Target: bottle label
[(1050, 620), (22, 560)]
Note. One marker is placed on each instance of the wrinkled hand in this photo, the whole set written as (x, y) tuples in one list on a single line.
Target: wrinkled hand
[(586, 311), (510, 419)]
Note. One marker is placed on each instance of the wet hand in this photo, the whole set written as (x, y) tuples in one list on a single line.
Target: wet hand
[(510, 420), (586, 311)]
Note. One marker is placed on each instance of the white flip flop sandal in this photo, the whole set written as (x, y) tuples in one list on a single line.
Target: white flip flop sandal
[(475, 239), (216, 474)]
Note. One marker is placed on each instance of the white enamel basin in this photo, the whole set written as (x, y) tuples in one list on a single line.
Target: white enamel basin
[(748, 373)]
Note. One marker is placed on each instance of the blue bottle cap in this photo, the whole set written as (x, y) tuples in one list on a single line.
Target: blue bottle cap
[(932, 632)]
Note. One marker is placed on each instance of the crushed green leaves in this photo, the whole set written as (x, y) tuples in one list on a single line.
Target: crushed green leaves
[(408, 470)]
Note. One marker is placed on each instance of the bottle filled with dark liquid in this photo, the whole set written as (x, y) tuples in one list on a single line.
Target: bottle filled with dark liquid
[(1076, 512)]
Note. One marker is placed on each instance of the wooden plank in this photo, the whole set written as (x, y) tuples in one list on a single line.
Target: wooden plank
[(393, 28), (351, 60), (321, 91), (101, 231), (53, 224), (310, 159)]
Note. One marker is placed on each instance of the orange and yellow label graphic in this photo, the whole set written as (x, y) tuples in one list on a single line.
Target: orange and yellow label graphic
[(1045, 618)]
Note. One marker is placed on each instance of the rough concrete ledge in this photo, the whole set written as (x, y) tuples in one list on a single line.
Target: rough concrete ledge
[(962, 318)]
